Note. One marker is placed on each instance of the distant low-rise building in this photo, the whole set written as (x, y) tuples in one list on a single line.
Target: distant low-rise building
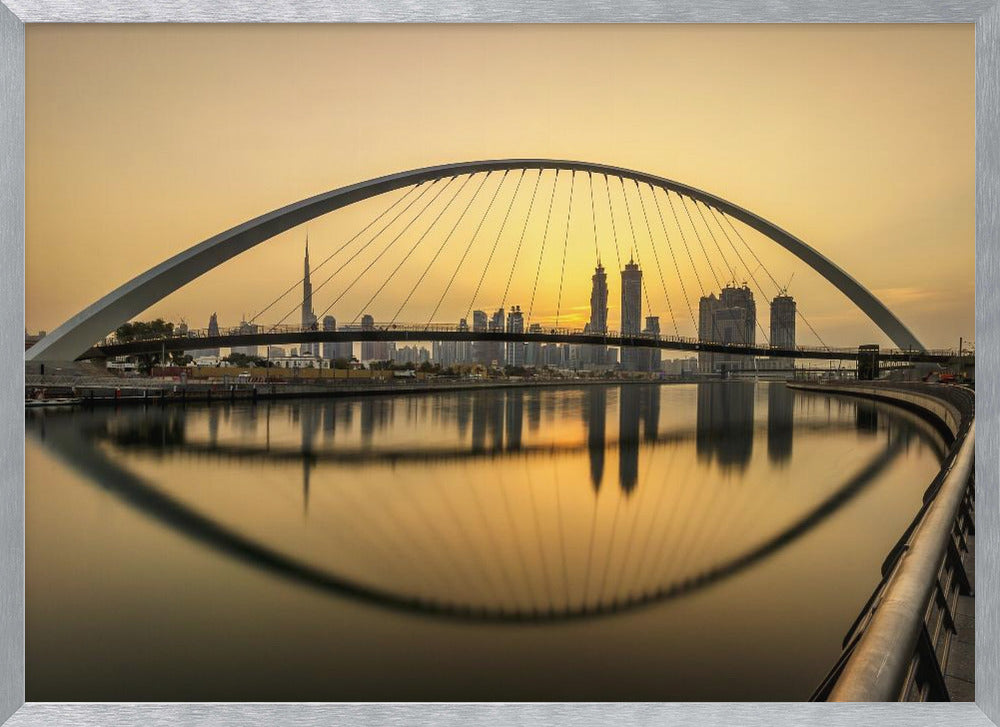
[(307, 361)]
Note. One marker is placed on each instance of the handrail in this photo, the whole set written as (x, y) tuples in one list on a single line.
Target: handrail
[(890, 649)]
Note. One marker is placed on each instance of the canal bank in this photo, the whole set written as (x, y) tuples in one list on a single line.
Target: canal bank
[(117, 392)]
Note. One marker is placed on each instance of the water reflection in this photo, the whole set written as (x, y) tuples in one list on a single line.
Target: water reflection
[(596, 417), (780, 423), (726, 423), (448, 503)]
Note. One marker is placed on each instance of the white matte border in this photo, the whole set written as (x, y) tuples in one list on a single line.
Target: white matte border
[(986, 15)]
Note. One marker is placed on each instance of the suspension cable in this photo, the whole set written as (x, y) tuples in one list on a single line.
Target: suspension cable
[(697, 235), (412, 249), (593, 215), (443, 243), (468, 247), (614, 229), (725, 260), (562, 273), (524, 229), (687, 248), (361, 249), (301, 280), (386, 248), (731, 244), (677, 269), (541, 252), (656, 256), (497, 240), (635, 244)]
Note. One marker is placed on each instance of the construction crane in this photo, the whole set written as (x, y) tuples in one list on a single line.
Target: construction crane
[(784, 290)]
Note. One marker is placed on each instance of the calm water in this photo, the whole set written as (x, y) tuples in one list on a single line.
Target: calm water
[(636, 542)]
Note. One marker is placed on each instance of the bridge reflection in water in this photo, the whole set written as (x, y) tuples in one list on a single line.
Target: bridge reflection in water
[(474, 505)]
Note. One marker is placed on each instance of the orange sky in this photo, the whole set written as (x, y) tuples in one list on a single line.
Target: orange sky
[(144, 140)]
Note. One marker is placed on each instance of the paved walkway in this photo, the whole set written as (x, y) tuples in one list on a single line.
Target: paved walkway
[(960, 667)]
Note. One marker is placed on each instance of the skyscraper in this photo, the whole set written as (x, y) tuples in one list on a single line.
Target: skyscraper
[(213, 330), (515, 349), (598, 324), (480, 349), (782, 328), (599, 300), (730, 318), (374, 350), (308, 317), (631, 312), (496, 348), (706, 331), (336, 349), (463, 349), (652, 356), (247, 329), (533, 353)]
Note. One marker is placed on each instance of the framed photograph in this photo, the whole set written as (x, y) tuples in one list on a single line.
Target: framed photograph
[(534, 365)]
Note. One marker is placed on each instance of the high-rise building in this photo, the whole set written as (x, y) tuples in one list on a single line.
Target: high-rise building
[(213, 330), (515, 349), (247, 329), (782, 329), (730, 318), (631, 312), (533, 353), (463, 349), (411, 355), (374, 350), (598, 324), (333, 350), (308, 317), (480, 349), (599, 300), (329, 350), (652, 356), (706, 331), (444, 352), (496, 354)]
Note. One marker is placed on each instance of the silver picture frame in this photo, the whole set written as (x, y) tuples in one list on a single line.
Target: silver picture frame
[(985, 14)]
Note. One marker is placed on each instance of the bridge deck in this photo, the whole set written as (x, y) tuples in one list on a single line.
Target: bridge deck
[(194, 340)]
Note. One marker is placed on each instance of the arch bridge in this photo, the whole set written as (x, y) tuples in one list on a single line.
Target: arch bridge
[(652, 194)]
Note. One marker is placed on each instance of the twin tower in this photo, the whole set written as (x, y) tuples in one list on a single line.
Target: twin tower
[(633, 359)]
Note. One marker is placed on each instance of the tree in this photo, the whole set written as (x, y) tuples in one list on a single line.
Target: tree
[(139, 330), (241, 359)]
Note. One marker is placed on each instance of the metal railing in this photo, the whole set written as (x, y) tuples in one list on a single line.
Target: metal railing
[(897, 648)]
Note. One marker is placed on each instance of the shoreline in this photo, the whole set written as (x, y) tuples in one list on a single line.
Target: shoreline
[(83, 394)]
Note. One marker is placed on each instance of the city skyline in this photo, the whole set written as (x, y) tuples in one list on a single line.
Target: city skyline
[(729, 318), (935, 301)]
